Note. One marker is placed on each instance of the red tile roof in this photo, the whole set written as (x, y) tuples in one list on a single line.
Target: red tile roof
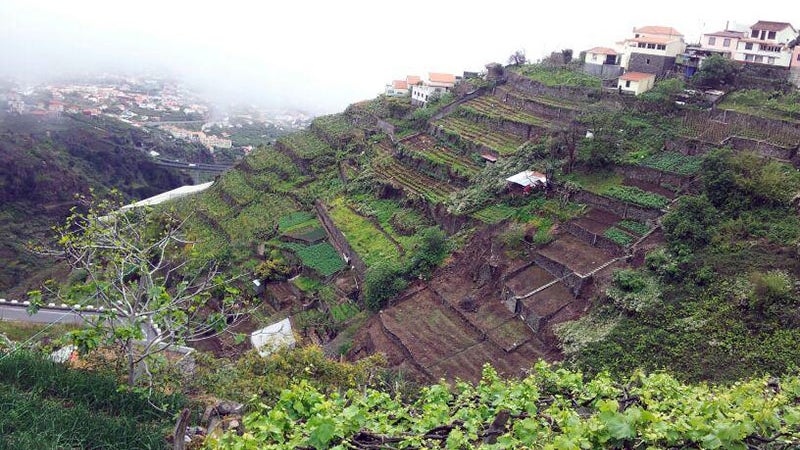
[(654, 40), (771, 26), (728, 34), (441, 77), (636, 76), (413, 79), (651, 29), (399, 84), (602, 51)]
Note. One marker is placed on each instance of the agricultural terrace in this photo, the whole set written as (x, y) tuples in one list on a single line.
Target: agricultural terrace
[(369, 242), (302, 226), (611, 185), (321, 257), (413, 182), (306, 145), (491, 107), (673, 162), (436, 152), (552, 102), (269, 159), (402, 224), (557, 76), (234, 184), (213, 206), (493, 214), (771, 105), (480, 134), (715, 130), (335, 127), (258, 217)]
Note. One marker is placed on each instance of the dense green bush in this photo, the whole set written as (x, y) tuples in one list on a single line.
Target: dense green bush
[(689, 224), (383, 281)]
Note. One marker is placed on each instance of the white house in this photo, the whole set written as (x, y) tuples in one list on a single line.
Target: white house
[(398, 88), (723, 42), (652, 49), (602, 55), (436, 84), (767, 43), (636, 82)]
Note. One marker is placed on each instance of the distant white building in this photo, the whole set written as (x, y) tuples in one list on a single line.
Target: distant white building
[(435, 84), (398, 88)]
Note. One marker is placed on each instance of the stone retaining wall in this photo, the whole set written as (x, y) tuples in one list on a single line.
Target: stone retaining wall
[(593, 239), (532, 87), (336, 237), (653, 176), (618, 207)]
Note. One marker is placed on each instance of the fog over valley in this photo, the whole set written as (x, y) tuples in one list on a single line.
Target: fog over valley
[(317, 56)]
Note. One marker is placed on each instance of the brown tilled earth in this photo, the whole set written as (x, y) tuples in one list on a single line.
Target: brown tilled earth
[(457, 322)]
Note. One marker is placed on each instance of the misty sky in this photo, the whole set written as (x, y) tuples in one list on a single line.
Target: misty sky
[(322, 55)]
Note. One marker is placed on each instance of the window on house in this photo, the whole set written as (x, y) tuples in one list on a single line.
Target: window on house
[(594, 57), (798, 56), (628, 84), (748, 57), (763, 34), (726, 43), (647, 61), (661, 47), (754, 33), (770, 60), (651, 45), (759, 59), (712, 41), (771, 35), (748, 46)]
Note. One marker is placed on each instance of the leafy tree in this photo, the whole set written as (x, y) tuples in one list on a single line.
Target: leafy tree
[(716, 71), (518, 58), (383, 281), (430, 252), (689, 225), (134, 278)]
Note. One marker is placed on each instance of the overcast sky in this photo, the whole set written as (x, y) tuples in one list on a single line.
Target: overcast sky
[(322, 55)]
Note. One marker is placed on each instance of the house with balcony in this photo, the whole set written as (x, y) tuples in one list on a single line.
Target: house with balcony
[(602, 62), (722, 43), (652, 49), (434, 86), (767, 43)]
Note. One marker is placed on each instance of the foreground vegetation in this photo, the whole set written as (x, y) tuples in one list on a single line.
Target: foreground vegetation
[(550, 409), (47, 406)]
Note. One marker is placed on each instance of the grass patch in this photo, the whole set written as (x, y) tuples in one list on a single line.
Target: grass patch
[(557, 76), (673, 162), (636, 227), (22, 331), (636, 196), (295, 220), (306, 284), (620, 237), (367, 241), (321, 257)]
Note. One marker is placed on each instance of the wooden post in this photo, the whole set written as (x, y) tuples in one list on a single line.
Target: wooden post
[(180, 430)]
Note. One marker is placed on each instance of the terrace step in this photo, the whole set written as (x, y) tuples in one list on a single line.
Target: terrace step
[(575, 254), (437, 332), (406, 178), (480, 135)]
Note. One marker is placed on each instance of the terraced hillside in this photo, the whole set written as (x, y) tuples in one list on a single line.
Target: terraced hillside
[(491, 107), (413, 182), (479, 135), (438, 153)]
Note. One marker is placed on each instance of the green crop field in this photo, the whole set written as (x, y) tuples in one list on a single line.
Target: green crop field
[(414, 182), (492, 107), (306, 145), (673, 162), (481, 134), (321, 257), (441, 154), (366, 240)]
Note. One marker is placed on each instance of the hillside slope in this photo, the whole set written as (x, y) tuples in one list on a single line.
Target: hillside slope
[(44, 164)]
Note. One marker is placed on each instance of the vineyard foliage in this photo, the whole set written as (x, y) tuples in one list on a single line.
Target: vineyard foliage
[(552, 408)]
